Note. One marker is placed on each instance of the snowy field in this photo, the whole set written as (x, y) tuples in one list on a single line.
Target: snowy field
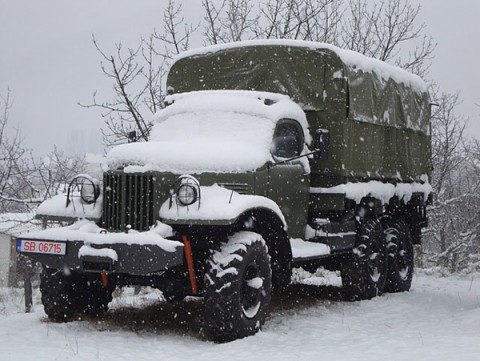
[(438, 320)]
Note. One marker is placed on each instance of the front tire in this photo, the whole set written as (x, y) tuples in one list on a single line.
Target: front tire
[(59, 292), (238, 287), (364, 274)]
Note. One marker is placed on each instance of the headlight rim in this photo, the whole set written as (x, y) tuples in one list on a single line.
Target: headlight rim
[(77, 186), (193, 184), (95, 188), (181, 197)]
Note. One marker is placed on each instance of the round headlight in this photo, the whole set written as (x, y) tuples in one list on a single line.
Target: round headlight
[(186, 194), (84, 187), (187, 191), (88, 192)]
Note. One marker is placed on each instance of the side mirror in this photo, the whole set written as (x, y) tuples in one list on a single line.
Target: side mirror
[(321, 144)]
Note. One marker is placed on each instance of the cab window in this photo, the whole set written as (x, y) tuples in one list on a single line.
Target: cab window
[(286, 140)]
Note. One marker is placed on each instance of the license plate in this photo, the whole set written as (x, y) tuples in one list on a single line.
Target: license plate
[(45, 247)]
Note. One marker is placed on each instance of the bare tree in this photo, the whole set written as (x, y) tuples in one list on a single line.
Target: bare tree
[(235, 20), (176, 32), (54, 172), (124, 113), (12, 164), (137, 78), (451, 241), (24, 181), (388, 30), (448, 140), (314, 20), (229, 20)]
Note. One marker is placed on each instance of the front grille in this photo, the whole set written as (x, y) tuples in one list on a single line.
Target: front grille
[(128, 201)]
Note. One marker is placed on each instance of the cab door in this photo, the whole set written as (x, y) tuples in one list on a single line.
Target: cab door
[(289, 180)]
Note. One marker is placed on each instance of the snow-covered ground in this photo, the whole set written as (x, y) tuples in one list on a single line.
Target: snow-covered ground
[(438, 320)]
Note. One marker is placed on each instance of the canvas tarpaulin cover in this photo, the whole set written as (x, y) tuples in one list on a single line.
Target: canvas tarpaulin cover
[(339, 90)]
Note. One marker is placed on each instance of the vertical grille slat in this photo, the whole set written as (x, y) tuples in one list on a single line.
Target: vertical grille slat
[(128, 200), (145, 220), (118, 203), (140, 204)]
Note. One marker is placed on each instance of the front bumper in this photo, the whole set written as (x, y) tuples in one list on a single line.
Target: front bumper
[(88, 250), (132, 258)]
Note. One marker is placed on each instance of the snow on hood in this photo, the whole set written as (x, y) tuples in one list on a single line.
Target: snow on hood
[(355, 61), (210, 131)]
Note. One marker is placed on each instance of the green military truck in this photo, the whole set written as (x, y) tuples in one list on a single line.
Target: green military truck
[(269, 155)]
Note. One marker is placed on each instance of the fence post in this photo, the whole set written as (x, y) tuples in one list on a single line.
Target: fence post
[(12, 264), (28, 286), (26, 269)]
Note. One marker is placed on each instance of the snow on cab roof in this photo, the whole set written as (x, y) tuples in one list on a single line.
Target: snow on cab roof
[(353, 60), (210, 131), (272, 106)]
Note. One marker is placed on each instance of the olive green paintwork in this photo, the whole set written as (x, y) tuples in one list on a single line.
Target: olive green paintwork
[(285, 184), (379, 130)]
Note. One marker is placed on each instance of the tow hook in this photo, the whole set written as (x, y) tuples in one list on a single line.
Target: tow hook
[(104, 279), (191, 268)]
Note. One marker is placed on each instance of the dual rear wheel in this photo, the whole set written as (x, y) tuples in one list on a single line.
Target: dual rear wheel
[(382, 260)]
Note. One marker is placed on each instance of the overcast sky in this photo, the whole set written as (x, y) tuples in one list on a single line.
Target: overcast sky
[(48, 61)]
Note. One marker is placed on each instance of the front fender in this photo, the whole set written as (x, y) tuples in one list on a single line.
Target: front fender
[(216, 206)]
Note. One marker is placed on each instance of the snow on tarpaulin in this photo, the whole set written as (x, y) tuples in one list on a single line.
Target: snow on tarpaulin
[(90, 233), (376, 189), (210, 131), (218, 203), (356, 61)]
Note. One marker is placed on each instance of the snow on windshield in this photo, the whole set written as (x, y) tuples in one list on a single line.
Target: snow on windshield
[(210, 131)]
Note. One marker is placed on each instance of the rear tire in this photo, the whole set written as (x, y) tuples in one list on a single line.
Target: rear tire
[(365, 272), (400, 255), (238, 287)]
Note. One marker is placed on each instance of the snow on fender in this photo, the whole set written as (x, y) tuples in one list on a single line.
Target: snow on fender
[(217, 204)]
